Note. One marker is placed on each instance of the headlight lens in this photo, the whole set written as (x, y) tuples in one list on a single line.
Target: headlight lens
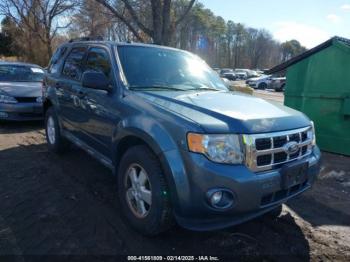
[(311, 133), (7, 99), (39, 99), (218, 148)]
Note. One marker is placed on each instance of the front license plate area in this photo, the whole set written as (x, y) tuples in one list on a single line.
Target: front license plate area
[(294, 174)]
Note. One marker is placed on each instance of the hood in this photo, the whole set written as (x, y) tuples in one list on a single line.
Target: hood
[(224, 111), (21, 89), (258, 78)]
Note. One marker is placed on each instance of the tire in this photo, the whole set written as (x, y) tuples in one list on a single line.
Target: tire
[(262, 86), (282, 88), (156, 215), (55, 141)]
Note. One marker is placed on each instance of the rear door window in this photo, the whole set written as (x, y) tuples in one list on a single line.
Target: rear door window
[(73, 66)]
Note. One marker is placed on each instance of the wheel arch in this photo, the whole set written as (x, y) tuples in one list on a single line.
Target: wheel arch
[(134, 136), (46, 105)]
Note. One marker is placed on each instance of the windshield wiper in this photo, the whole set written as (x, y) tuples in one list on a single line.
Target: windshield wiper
[(206, 88), (195, 86), (156, 87)]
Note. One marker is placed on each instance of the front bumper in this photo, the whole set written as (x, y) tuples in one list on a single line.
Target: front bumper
[(255, 193), (21, 111)]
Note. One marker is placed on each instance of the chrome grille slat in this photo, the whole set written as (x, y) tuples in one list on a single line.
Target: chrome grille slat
[(252, 153), (280, 149)]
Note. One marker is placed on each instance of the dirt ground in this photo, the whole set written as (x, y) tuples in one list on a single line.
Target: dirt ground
[(270, 95), (67, 205)]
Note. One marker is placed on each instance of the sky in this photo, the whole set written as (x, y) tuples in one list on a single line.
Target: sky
[(311, 22)]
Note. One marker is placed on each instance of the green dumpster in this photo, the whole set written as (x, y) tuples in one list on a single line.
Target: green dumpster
[(318, 84)]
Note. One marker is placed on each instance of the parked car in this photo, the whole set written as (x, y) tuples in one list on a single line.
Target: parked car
[(227, 73), (278, 83), (183, 148), (230, 76), (241, 74), (252, 73), (261, 82), (216, 69), (20, 91)]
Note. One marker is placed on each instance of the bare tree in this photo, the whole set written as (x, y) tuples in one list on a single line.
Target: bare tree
[(91, 19), (43, 18), (162, 25)]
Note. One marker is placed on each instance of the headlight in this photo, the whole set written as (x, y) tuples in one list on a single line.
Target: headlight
[(217, 148), (39, 99), (7, 99), (311, 133)]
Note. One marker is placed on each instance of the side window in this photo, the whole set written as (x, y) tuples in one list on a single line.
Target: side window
[(73, 66), (54, 65), (98, 60)]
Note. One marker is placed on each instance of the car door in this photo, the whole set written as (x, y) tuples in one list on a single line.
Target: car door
[(68, 87), (99, 105)]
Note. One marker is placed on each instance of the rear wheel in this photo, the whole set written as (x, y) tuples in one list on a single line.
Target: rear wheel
[(55, 141), (281, 89), (262, 86), (143, 192)]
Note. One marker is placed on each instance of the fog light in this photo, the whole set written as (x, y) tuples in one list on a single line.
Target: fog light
[(216, 198), (220, 198)]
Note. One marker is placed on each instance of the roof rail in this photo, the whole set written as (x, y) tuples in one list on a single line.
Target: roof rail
[(86, 38)]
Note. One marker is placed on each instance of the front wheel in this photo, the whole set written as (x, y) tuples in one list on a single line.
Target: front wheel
[(262, 86), (56, 143), (143, 192)]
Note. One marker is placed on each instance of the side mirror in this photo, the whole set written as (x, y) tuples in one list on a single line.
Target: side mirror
[(96, 80)]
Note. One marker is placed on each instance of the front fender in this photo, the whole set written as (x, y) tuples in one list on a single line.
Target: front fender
[(164, 145)]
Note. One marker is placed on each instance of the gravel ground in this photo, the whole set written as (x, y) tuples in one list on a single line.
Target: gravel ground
[(67, 205)]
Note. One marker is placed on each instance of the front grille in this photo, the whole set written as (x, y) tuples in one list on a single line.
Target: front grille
[(263, 160), (26, 99), (30, 114), (279, 141), (280, 157), (270, 150), (263, 143)]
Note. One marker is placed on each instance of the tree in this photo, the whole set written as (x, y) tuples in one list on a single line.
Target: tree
[(230, 32), (238, 43), (291, 49), (7, 47), (156, 21), (41, 18), (91, 19)]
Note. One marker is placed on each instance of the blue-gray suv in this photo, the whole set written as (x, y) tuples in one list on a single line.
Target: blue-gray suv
[(184, 148)]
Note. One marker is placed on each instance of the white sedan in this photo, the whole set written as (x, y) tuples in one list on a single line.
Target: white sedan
[(261, 82)]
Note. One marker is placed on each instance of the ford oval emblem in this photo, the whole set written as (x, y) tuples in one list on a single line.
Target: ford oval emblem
[(291, 148)]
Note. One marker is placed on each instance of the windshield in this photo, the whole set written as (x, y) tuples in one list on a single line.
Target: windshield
[(20, 73), (165, 69)]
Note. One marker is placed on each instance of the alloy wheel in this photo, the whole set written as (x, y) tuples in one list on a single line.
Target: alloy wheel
[(138, 190), (51, 130)]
